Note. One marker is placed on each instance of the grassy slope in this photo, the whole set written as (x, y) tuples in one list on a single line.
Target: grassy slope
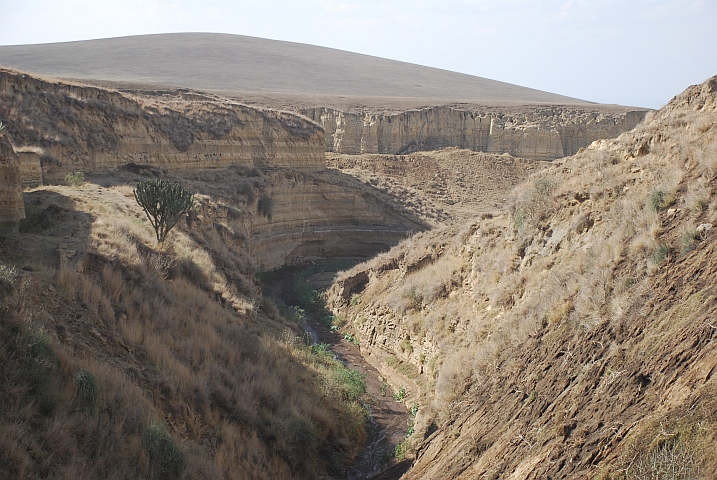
[(247, 64), (573, 337), (176, 337)]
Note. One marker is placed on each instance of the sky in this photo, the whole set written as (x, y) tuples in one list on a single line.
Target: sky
[(629, 52)]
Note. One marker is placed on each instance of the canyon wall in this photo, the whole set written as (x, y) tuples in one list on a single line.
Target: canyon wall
[(12, 207), (540, 132), (292, 216), (95, 130), (326, 215)]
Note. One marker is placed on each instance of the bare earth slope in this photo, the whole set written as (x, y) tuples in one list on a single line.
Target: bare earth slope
[(573, 337), (442, 186), (238, 63)]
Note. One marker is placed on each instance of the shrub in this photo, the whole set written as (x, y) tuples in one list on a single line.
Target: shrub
[(353, 383), (401, 450), (661, 254), (40, 369), (165, 459), (658, 200), (303, 439), (400, 395), (75, 179), (689, 239), (531, 202), (245, 188), (414, 298), (7, 278), (668, 462), (164, 203)]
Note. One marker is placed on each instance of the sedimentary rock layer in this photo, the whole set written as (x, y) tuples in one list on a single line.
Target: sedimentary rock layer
[(12, 207), (94, 129), (540, 132), (322, 216), (291, 216)]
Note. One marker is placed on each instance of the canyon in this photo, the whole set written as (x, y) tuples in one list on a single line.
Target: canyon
[(543, 310), (568, 336)]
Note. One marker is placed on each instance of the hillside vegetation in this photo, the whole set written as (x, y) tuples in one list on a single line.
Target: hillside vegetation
[(573, 337), (124, 359)]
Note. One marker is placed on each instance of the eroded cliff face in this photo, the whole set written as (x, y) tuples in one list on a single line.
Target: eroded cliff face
[(535, 132), (286, 216), (94, 129), (571, 337), (12, 207)]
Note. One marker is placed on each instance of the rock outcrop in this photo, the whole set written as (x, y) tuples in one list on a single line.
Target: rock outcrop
[(294, 216), (94, 129), (30, 168), (540, 132), (12, 207)]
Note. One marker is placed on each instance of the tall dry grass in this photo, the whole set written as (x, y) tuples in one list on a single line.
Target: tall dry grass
[(174, 337), (579, 252)]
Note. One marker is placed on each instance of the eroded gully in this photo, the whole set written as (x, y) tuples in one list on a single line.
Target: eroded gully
[(389, 419)]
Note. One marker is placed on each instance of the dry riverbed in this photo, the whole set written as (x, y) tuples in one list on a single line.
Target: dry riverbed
[(388, 420)]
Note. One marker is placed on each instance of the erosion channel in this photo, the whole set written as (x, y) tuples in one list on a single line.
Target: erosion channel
[(298, 293)]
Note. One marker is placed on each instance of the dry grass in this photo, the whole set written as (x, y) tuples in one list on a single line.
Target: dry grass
[(172, 337), (587, 253)]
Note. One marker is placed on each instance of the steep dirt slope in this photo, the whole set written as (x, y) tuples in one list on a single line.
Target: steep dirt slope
[(573, 337), (122, 358), (442, 186)]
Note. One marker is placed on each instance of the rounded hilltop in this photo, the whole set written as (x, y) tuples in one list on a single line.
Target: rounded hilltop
[(237, 63)]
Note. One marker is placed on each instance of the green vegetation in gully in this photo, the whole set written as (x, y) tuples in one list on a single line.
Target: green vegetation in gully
[(313, 301)]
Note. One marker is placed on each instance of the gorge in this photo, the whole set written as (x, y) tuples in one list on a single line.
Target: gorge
[(538, 293)]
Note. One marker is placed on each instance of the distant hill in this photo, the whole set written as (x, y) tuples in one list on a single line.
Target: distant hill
[(236, 63)]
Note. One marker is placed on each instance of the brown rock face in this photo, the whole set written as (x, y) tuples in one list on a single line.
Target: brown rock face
[(94, 130), (541, 132), (12, 207), (297, 216), (30, 168)]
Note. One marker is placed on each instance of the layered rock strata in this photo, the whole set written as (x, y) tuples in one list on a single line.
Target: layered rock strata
[(299, 216), (30, 168), (540, 132), (94, 130), (12, 207)]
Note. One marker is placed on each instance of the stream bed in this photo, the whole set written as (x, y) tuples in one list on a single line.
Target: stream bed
[(388, 418)]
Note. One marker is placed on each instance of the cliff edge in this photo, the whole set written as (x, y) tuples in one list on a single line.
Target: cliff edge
[(12, 207), (93, 129)]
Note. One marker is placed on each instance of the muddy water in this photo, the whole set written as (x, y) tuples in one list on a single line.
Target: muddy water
[(389, 419)]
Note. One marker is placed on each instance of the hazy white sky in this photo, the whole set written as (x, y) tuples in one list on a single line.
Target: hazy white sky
[(631, 52)]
